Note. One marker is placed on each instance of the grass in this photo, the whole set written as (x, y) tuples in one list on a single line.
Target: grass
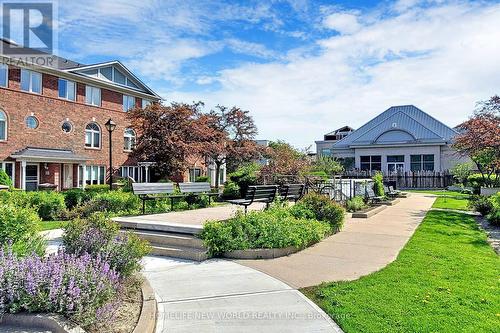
[(451, 203), (444, 280), (50, 225), (445, 193)]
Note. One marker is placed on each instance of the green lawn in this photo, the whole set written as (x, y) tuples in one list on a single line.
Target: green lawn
[(453, 194), (451, 203), (49, 225), (446, 279)]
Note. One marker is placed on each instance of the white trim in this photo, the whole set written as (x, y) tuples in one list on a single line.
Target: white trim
[(92, 132), (6, 125)]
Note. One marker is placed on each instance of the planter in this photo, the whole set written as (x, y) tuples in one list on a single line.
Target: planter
[(366, 213), (487, 191), (147, 319), (260, 253), (390, 202)]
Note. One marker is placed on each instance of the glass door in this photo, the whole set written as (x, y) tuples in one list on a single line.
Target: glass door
[(31, 177)]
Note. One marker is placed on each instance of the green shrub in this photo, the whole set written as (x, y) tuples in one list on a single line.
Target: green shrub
[(231, 190), (476, 181), (48, 205), (5, 179), (324, 209), (481, 204), (355, 204), (20, 226), (274, 228), (245, 176), (494, 217), (378, 184), (202, 179), (75, 197), (94, 189), (112, 203), (100, 237), (319, 174)]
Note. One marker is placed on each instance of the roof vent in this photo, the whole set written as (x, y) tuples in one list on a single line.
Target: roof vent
[(394, 125)]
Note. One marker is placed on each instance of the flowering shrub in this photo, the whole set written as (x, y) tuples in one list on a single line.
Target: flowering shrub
[(100, 237), (79, 287), (19, 227)]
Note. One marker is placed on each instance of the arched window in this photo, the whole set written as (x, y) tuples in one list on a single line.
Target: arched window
[(3, 126), (129, 139), (93, 136)]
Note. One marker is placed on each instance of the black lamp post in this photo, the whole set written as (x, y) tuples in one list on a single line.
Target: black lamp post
[(110, 126)]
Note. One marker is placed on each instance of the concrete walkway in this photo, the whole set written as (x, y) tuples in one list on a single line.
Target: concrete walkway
[(223, 296), (362, 247)]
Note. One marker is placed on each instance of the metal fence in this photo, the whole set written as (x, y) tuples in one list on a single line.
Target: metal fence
[(409, 179)]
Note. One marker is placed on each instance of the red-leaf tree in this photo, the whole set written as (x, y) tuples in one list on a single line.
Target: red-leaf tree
[(231, 138), (284, 160), (168, 135), (479, 138)]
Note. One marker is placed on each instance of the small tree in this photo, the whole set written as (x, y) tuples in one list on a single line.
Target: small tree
[(168, 135), (479, 138), (328, 165), (461, 172), (284, 160), (232, 138)]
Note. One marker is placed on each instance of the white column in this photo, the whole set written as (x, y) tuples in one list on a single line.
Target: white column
[(84, 175), (23, 175), (147, 174)]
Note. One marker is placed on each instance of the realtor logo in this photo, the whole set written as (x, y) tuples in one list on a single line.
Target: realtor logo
[(29, 26)]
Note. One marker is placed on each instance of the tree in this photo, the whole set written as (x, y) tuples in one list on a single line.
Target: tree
[(479, 138), (232, 138), (168, 135), (329, 165), (461, 172), (284, 160)]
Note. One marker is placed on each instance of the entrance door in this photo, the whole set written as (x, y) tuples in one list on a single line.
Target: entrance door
[(31, 177), (68, 176)]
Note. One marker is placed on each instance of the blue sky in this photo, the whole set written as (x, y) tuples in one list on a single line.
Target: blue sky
[(303, 68)]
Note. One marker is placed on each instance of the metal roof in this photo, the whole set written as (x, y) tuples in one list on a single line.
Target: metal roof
[(48, 155), (399, 124)]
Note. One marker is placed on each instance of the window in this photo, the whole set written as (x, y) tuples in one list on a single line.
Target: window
[(194, 174), (66, 127), (130, 171), (371, 162), (128, 102), (94, 175), (326, 152), (93, 96), (67, 89), (4, 75), (92, 136), (3, 126), (9, 169), (31, 122), (422, 162), (129, 139), (146, 103), (395, 163), (31, 81)]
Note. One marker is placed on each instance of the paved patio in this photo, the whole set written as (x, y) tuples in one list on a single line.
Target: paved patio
[(362, 247)]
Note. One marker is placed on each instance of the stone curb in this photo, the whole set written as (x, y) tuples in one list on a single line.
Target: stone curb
[(260, 253), (147, 319), (52, 322), (369, 213)]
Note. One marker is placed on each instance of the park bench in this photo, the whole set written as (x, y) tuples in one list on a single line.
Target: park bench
[(292, 192), (389, 192), (196, 189), (371, 197), (153, 191), (258, 193)]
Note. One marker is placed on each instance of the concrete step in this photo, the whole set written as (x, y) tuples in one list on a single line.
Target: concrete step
[(165, 239), (170, 227), (180, 252)]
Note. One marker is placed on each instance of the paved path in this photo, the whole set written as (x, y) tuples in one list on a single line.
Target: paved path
[(362, 247), (223, 296)]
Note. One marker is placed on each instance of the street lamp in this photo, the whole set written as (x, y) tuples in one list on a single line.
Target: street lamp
[(110, 126)]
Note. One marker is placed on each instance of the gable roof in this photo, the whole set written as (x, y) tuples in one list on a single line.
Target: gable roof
[(399, 124), (137, 84)]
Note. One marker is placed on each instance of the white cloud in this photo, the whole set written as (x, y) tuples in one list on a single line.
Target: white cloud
[(441, 58), (344, 23)]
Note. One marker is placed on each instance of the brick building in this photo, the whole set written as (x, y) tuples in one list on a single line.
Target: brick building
[(52, 123)]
